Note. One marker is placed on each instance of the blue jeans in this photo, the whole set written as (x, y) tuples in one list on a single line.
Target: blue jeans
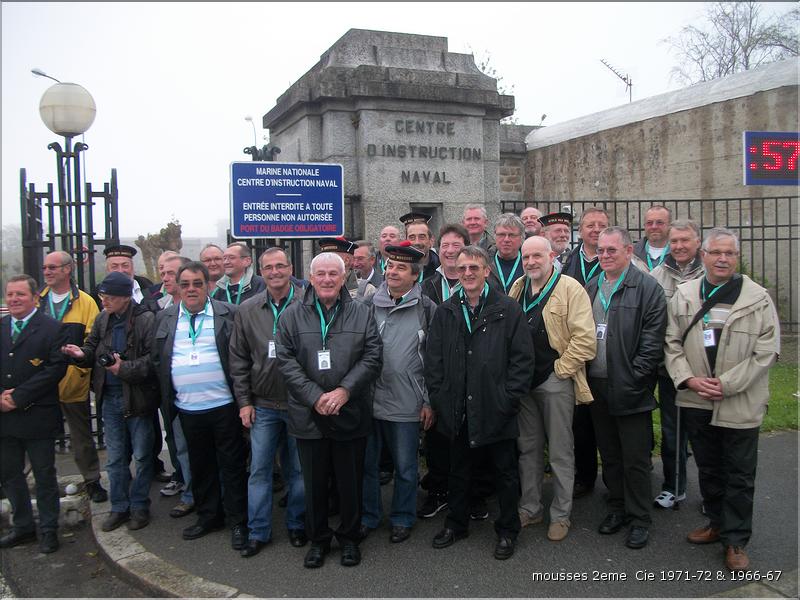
[(266, 435), (182, 452), (126, 437), (402, 440)]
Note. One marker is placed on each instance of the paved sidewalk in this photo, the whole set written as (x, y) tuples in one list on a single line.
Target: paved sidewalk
[(600, 566)]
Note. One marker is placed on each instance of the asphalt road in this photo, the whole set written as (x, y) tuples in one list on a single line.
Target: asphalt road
[(601, 566)]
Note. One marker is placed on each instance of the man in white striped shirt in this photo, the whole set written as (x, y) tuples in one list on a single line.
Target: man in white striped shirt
[(191, 358)]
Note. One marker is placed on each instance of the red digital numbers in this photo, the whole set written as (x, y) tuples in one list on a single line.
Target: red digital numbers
[(770, 157), (794, 145), (776, 150)]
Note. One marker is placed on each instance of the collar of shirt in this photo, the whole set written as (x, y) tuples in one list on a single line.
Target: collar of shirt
[(24, 319)]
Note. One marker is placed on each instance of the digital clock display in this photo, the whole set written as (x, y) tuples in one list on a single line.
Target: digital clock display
[(770, 157)]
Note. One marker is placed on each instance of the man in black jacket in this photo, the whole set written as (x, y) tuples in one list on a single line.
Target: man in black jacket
[(190, 357), (118, 349), (30, 419), (630, 315), (330, 353), (478, 366)]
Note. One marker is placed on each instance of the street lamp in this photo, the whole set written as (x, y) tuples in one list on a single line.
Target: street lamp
[(267, 152), (68, 110)]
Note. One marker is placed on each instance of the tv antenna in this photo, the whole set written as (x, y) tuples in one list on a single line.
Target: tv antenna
[(626, 78)]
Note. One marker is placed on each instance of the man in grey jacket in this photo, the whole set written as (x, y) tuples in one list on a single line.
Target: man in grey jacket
[(260, 393), (330, 353), (403, 315)]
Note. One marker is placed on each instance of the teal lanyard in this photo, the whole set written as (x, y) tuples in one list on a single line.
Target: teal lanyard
[(194, 334), (525, 306), (650, 264), (322, 324), (382, 265), (17, 328), (277, 313), (447, 291), (603, 301), (464, 308), (507, 284), (238, 293), (60, 315), (706, 318), (421, 273), (583, 268)]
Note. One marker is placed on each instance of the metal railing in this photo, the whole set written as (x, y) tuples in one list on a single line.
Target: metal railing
[(768, 230)]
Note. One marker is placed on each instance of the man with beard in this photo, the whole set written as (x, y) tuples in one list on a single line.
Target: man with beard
[(557, 228)]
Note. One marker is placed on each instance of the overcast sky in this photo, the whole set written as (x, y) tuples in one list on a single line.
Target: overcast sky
[(173, 82)]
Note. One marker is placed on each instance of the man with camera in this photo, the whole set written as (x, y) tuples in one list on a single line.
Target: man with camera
[(119, 344)]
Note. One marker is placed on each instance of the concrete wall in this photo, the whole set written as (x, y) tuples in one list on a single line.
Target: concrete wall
[(692, 154)]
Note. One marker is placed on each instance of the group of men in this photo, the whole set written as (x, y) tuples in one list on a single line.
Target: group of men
[(496, 345)]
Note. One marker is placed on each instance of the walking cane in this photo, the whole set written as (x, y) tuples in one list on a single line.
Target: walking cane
[(675, 505)]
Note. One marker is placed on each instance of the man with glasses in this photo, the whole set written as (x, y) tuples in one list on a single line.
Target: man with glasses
[(211, 257), (118, 348), (239, 281), (506, 262), (478, 367), (190, 356), (630, 315), (260, 393), (723, 388), (653, 248), (63, 301), (329, 352)]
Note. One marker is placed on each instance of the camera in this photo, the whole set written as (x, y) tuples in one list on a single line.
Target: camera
[(108, 359)]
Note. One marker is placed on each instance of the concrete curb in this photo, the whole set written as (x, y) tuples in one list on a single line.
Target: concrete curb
[(134, 563)]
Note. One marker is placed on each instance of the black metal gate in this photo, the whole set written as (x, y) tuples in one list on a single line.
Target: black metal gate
[(768, 230)]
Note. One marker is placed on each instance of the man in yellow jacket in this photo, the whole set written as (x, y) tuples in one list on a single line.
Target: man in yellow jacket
[(559, 316), (722, 337), (62, 300)]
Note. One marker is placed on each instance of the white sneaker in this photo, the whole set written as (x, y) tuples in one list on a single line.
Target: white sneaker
[(667, 499), (173, 488)]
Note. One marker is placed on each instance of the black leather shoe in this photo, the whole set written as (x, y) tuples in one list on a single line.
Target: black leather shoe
[(198, 530), (400, 534), (252, 547), (49, 542), (238, 537), (139, 519), (96, 492), (297, 538), (114, 520), (612, 523), (580, 490), (351, 555), (447, 537), (15, 538), (504, 548), (315, 557), (637, 537), (364, 531)]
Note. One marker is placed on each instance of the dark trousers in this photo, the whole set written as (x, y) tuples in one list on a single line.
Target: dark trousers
[(84, 451), (502, 457), (585, 446), (42, 454), (215, 445), (669, 441), (624, 443), (437, 458), (726, 464), (319, 460)]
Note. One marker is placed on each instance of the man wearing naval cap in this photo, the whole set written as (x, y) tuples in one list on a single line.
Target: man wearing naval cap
[(557, 228)]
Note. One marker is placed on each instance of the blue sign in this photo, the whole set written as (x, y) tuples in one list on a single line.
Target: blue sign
[(286, 200)]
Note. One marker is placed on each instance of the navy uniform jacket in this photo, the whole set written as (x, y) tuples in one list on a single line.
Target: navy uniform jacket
[(33, 366)]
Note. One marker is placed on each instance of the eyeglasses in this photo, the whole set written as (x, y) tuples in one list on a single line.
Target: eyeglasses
[(725, 253), (608, 251), (503, 236), (470, 268), (278, 267), (199, 284)]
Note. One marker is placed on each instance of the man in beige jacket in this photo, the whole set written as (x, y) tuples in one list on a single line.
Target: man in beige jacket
[(559, 316), (722, 338)]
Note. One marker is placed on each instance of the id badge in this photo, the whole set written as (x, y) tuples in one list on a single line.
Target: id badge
[(194, 359), (708, 338), (324, 360), (601, 331), (271, 349)]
